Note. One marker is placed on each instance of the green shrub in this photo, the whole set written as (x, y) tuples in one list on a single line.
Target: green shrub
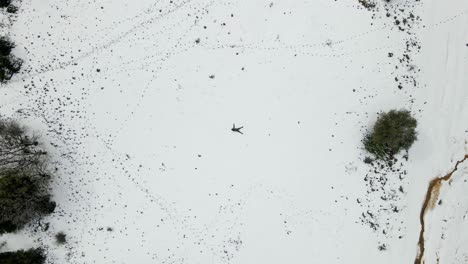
[(394, 131), (31, 256)]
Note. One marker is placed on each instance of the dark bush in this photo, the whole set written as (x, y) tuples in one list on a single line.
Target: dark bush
[(9, 66), (7, 227), (61, 238), (24, 178), (23, 196), (6, 46), (12, 9), (394, 131), (368, 160), (367, 4), (31, 256), (4, 3)]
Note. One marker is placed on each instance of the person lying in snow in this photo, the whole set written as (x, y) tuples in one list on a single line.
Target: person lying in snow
[(236, 129)]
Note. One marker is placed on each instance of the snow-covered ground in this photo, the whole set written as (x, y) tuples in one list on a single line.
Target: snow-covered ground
[(136, 100)]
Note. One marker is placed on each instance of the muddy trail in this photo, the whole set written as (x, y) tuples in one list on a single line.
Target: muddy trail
[(432, 195)]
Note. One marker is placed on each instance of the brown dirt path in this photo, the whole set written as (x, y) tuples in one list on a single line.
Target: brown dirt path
[(432, 195)]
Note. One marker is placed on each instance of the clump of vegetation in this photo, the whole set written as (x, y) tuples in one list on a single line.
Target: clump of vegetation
[(5, 3), (12, 9), (9, 64), (31, 256), (61, 238), (7, 227), (24, 178), (394, 131), (6, 46), (368, 4), (368, 160)]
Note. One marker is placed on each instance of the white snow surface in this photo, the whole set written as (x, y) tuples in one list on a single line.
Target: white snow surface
[(136, 99)]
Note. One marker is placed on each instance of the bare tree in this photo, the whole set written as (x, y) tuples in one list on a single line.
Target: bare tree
[(24, 177)]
